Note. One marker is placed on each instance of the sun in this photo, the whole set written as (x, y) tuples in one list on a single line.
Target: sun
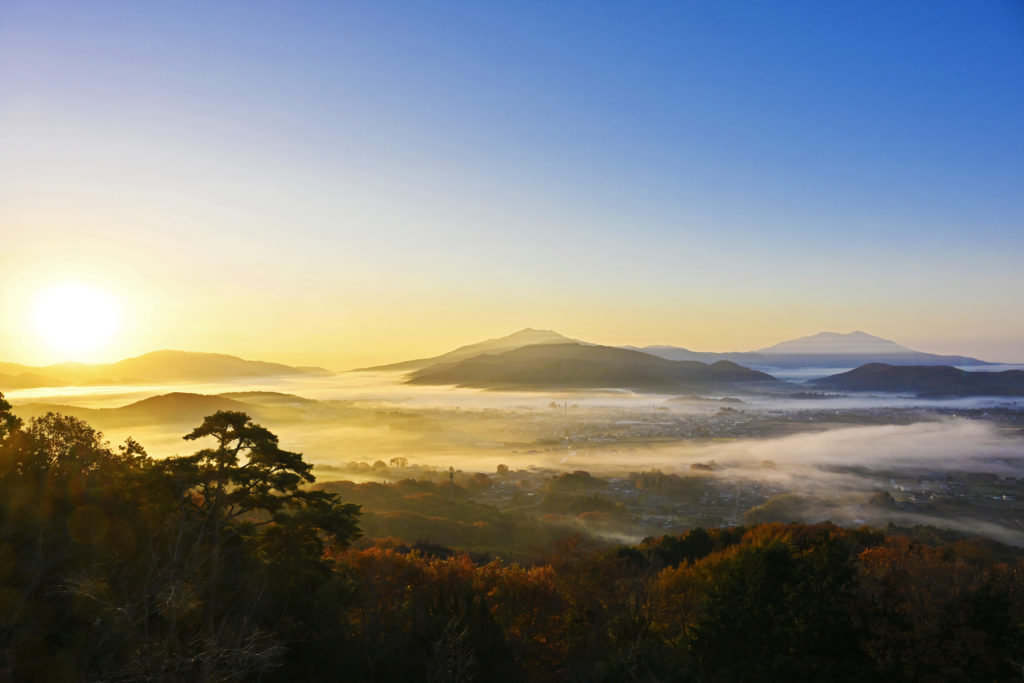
[(75, 319)]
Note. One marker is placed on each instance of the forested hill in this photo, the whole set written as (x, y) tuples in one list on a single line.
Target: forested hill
[(925, 381), (582, 366)]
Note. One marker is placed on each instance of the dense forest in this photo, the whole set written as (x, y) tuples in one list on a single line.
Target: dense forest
[(227, 565)]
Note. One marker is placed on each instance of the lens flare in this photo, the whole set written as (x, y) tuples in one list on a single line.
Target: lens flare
[(75, 319)]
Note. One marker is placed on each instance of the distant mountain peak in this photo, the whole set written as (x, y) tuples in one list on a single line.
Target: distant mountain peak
[(856, 334), (854, 343), (527, 336), (533, 332)]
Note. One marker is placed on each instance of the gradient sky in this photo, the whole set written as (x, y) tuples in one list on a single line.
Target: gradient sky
[(351, 183)]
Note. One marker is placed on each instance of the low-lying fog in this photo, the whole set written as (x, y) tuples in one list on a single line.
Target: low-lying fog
[(387, 387), (834, 452), (359, 416)]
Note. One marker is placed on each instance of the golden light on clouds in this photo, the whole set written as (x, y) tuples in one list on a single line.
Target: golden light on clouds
[(75, 319)]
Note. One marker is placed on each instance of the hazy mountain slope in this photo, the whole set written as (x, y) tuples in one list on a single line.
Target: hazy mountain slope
[(853, 343), (28, 380), (825, 349), (14, 369), (579, 366), (189, 365), (931, 381), (158, 366), (680, 353), (524, 337)]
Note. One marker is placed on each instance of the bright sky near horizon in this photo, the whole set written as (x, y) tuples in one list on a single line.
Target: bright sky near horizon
[(344, 184)]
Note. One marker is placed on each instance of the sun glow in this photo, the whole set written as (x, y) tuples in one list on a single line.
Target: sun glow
[(75, 319)]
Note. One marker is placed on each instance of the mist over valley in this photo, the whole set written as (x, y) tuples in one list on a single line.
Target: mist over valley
[(270, 409), (540, 407)]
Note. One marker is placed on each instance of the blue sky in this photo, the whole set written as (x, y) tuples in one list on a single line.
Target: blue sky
[(405, 177)]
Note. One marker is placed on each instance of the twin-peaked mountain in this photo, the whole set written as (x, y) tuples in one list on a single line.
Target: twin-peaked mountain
[(822, 350)]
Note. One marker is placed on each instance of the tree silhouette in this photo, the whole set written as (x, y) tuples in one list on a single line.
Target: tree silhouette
[(9, 422), (247, 473), (244, 511)]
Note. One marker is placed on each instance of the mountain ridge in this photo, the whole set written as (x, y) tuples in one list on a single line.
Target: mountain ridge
[(527, 336), (589, 366), (165, 365), (824, 349)]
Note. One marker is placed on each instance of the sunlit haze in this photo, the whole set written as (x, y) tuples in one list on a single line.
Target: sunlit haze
[(75, 320), (348, 184)]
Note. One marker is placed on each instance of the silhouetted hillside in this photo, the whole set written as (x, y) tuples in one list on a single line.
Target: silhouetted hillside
[(929, 381), (579, 366)]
